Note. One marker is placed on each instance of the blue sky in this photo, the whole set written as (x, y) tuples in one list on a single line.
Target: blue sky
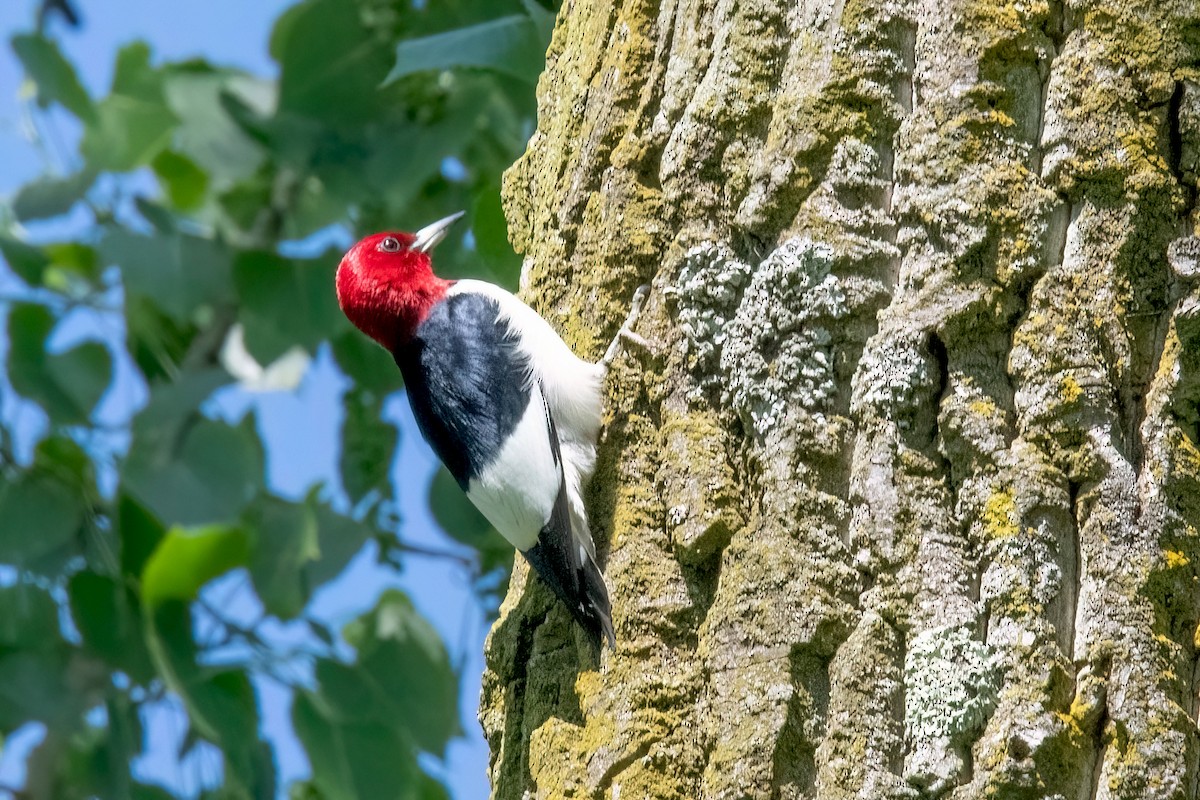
[(235, 33)]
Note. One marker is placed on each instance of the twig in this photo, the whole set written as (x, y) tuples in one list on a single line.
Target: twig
[(387, 544), (204, 348)]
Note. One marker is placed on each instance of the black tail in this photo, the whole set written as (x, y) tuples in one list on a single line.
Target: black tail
[(596, 592), (571, 573)]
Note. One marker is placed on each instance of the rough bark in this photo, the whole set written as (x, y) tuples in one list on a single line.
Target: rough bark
[(906, 503)]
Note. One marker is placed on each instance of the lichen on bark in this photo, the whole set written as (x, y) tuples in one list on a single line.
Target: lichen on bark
[(924, 396)]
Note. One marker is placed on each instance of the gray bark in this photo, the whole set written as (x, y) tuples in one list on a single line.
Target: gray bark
[(907, 501)]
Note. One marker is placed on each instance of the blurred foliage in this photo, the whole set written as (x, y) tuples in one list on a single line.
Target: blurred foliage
[(193, 189)]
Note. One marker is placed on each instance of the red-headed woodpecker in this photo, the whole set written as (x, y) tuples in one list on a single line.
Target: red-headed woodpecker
[(511, 411)]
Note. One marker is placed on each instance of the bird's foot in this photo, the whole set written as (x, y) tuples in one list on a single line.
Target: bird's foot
[(626, 334)]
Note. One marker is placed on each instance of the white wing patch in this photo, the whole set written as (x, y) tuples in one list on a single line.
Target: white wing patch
[(516, 492)]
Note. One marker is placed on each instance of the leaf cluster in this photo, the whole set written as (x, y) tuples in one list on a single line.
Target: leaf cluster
[(204, 201)]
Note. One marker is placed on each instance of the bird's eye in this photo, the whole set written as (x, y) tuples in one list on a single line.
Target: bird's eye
[(390, 245)]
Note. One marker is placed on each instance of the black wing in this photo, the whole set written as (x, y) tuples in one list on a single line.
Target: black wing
[(466, 382)]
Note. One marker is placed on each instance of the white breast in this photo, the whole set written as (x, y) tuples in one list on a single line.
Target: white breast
[(517, 490)]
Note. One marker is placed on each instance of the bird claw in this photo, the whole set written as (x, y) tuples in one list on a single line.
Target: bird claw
[(626, 333)]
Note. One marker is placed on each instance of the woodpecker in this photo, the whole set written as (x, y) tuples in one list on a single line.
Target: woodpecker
[(499, 396)]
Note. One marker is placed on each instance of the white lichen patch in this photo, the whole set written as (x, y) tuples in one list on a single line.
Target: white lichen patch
[(1184, 256), (761, 335), (778, 356), (710, 284), (893, 367), (952, 683)]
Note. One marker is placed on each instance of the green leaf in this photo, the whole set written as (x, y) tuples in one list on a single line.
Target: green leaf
[(368, 446), (211, 476), (28, 618), (33, 660), (185, 468), (208, 135), (61, 458), (298, 547), (402, 675), (84, 372), (52, 197), (67, 385), (285, 542), (286, 302), (148, 791), (173, 406), (76, 258), (370, 366), (459, 518), (188, 558), (246, 202), (352, 760), (55, 77), (127, 133), (184, 182), (543, 18), (330, 63), (46, 509), (33, 686), (133, 123), (430, 789), (110, 622), (179, 272), (490, 228), (316, 203), (465, 120), (157, 342), (27, 261), (139, 534), (510, 45), (339, 538), (97, 758), (162, 219)]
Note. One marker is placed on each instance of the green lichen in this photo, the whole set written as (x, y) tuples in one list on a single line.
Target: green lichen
[(765, 345), (706, 294), (699, 487)]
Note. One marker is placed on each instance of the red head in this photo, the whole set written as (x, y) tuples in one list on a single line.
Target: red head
[(386, 285)]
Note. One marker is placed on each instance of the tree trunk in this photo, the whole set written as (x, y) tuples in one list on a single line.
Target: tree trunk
[(906, 501)]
